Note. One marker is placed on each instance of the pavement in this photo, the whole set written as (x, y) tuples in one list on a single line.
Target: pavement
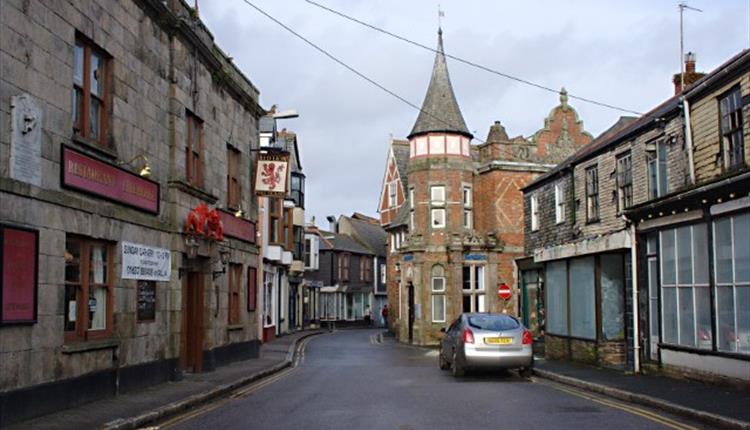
[(146, 407), (719, 406), (715, 405)]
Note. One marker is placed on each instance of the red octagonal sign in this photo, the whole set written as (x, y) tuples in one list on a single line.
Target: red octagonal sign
[(504, 291)]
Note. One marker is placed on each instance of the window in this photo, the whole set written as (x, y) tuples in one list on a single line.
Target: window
[(685, 296), (298, 189), (365, 268), (559, 204), (269, 298), (467, 197), (412, 203), (234, 186), (438, 218), (612, 272), (411, 221), (252, 289), (437, 281), (194, 151), (343, 267), (732, 144), (467, 218), (582, 298), (274, 220), (624, 181), (382, 274), (437, 195), (732, 263), (467, 201), (657, 170), (90, 85), (234, 281), (534, 213), (592, 194), (287, 227), (308, 253), (88, 288), (473, 288), (556, 298), (392, 194)]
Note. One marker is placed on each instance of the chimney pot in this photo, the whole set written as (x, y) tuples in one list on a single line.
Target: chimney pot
[(690, 62)]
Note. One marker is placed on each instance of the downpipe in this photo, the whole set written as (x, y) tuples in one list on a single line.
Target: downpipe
[(634, 282)]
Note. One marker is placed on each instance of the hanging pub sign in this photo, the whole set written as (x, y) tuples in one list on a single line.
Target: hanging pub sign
[(19, 262), (271, 174), (145, 262)]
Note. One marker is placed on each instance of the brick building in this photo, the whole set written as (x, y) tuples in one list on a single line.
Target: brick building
[(645, 205), (454, 211), (118, 120)]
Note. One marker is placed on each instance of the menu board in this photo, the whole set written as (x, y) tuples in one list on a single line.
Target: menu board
[(146, 301)]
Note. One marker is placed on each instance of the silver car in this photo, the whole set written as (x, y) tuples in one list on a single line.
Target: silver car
[(486, 341)]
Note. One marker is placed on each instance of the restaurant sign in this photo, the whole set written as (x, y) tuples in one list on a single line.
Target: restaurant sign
[(145, 263), (271, 174), (83, 173), (238, 228), (19, 250)]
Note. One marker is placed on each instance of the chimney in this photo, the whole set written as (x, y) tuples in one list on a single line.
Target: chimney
[(690, 74), (332, 224)]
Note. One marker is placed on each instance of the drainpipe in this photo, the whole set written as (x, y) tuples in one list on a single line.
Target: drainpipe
[(688, 139), (634, 282)]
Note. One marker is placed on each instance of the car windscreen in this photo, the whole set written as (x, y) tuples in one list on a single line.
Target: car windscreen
[(493, 322)]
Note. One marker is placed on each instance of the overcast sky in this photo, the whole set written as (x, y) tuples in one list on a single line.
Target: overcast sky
[(618, 52)]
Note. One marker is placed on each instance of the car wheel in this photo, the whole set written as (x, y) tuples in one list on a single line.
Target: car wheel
[(457, 369), (442, 362), (525, 372)]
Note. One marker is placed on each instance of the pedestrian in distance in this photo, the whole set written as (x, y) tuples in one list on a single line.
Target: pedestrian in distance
[(368, 316), (384, 314)]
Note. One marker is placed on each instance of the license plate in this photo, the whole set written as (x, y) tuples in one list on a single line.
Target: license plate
[(498, 340)]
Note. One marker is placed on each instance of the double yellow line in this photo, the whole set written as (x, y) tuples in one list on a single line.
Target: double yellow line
[(241, 392), (644, 413)]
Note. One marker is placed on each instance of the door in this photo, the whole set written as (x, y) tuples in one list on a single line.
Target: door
[(410, 292), (193, 333), (532, 302)]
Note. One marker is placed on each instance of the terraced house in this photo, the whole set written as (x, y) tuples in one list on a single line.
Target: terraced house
[(640, 240), (126, 140)]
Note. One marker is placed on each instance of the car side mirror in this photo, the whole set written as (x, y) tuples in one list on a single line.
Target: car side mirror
[(442, 330)]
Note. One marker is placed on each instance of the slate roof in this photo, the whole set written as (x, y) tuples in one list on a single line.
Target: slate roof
[(401, 153), (372, 235), (342, 242), (440, 111)]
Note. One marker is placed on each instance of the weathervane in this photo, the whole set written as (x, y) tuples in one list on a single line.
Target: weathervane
[(441, 14)]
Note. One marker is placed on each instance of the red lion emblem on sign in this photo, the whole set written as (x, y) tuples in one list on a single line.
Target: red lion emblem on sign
[(205, 222), (271, 174)]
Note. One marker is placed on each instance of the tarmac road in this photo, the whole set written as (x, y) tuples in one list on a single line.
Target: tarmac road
[(350, 380)]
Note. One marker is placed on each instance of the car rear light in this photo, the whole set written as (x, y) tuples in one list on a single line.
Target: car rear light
[(527, 340), (468, 336)]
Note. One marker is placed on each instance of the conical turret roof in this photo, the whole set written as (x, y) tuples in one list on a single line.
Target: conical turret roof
[(440, 111)]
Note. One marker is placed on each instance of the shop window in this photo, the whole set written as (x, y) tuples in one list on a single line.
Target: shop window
[(234, 186), (686, 310), (234, 281), (582, 299), (88, 288), (624, 181), (732, 262), (732, 143), (592, 194), (90, 99), (194, 150), (658, 178), (612, 296)]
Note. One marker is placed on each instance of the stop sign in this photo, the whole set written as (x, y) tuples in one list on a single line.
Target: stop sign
[(504, 291)]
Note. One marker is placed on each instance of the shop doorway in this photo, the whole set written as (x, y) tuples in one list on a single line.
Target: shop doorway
[(532, 297), (192, 338)]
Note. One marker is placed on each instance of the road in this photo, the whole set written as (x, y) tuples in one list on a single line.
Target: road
[(350, 380)]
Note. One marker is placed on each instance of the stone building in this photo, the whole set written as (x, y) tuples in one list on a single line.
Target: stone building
[(633, 209), (119, 120), (454, 211)]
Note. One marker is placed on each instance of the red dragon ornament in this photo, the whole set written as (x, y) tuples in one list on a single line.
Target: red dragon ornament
[(202, 221)]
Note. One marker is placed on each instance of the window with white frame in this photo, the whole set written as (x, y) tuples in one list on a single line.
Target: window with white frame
[(732, 289), (312, 252), (473, 288), (437, 195), (559, 203), (437, 281), (656, 160), (685, 293), (392, 194), (534, 212), (437, 216), (412, 206), (468, 211), (383, 275)]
